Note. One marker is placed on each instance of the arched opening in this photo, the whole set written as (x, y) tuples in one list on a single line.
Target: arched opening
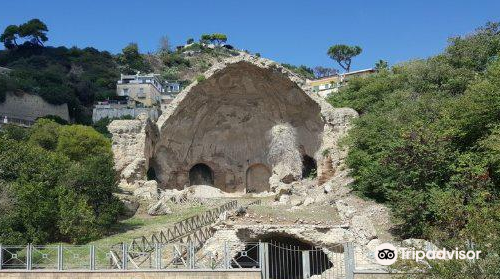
[(151, 174), (257, 178), (285, 257), (239, 102), (308, 167), (201, 174)]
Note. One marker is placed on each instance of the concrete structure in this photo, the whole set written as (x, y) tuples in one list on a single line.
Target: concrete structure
[(248, 127), (142, 90), (23, 106), (171, 89), (136, 274), (142, 94), (166, 99), (118, 109), (331, 84)]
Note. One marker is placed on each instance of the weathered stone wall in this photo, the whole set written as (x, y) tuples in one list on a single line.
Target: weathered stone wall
[(248, 112), (133, 146), (30, 107), (100, 113), (225, 122)]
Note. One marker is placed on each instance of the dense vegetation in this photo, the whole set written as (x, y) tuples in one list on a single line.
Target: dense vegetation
[(56, 184), (428, 144), (61, 75), (78, 77), (301, 70)]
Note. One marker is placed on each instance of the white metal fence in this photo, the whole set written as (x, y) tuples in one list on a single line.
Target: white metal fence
[(274, 260)]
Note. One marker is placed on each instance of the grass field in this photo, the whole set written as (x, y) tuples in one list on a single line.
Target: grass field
[(143, 224)]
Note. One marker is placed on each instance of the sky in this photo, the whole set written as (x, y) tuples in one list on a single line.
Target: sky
[(296, 32)]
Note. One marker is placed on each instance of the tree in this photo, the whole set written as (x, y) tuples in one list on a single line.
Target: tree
[(8, 38), (343, 54), (320, 71), (45, 133), (164, 45), (56, 195), (36, 30), (131, 52), (381, 65), (437, 161), (190, 41), (79, 142), (205, 38), (132, 60), (216, 38)]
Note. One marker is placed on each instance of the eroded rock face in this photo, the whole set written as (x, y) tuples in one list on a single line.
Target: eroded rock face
[(133, 145), (284, 154), (225, 121), (246, 128), (159, 208)]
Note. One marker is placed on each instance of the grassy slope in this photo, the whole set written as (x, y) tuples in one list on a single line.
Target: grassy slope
[(143, 224)]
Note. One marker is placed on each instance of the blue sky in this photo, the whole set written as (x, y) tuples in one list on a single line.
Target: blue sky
[(297, 32)]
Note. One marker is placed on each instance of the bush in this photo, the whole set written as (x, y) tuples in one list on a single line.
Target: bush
[(80, 142), (174, 60), (56, 184), (200, 78), (301, 70), (171, 73), (45, 133), (427, 141)]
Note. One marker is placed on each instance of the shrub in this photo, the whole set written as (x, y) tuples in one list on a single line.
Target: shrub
[(174, 60), (56, 184), (200, 78), (45, 133), (427, 141), (80, 142)]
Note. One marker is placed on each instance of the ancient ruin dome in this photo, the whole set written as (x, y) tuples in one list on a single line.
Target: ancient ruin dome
[(219, 131), (247, 126)]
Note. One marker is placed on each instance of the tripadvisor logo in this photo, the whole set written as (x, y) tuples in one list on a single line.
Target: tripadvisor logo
[(387, 254)]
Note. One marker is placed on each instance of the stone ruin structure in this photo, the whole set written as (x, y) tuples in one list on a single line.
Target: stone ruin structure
[(248, 126)]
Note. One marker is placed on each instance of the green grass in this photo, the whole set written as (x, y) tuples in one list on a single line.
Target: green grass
[(142, 224)]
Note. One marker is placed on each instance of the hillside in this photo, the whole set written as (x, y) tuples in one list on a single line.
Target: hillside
[(61, 75), (80, 77), (427, 142), (188, 63)]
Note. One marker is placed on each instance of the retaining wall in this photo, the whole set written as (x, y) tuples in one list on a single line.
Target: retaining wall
[(100, 113), (30, 107), (147, 274)]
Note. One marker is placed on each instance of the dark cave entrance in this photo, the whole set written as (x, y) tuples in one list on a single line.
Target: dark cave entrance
[(201, 174), (151, 174), (308, 167), (285, 257)]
